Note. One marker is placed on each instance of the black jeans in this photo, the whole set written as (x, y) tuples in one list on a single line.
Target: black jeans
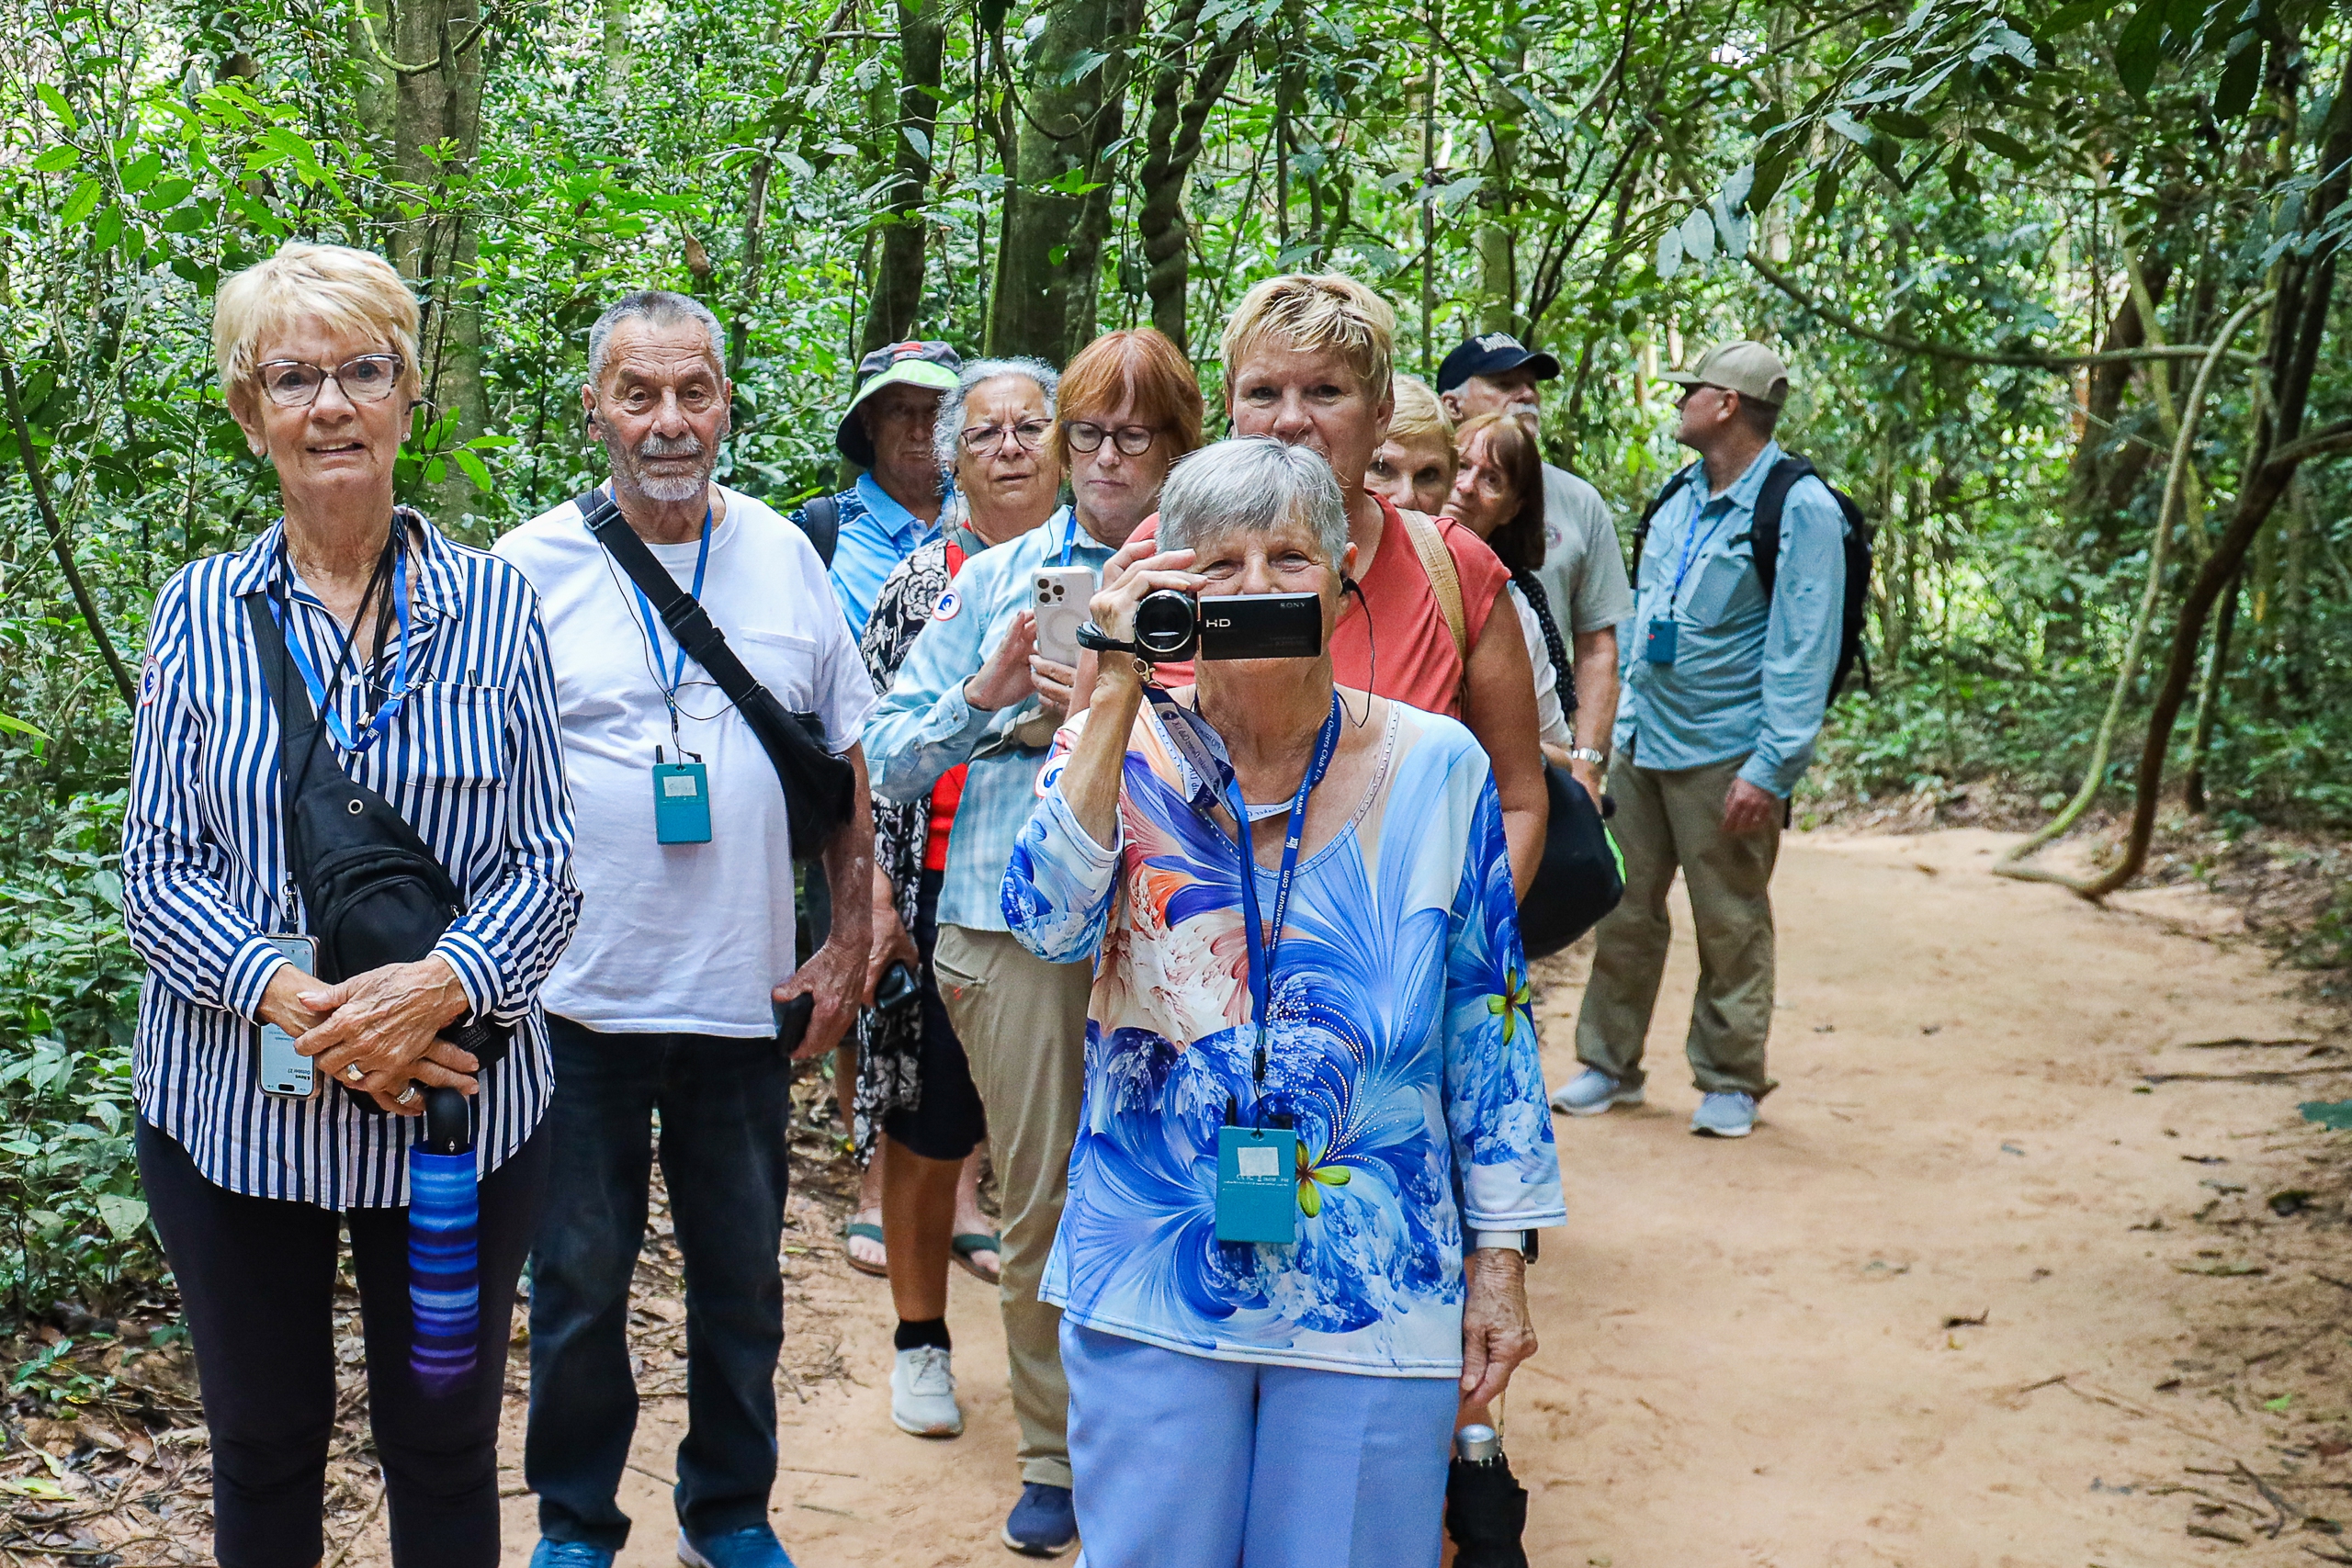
[(723, 1105), (256, 1279)]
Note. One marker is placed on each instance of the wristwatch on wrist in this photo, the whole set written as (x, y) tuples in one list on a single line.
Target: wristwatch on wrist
[(1587, 754)]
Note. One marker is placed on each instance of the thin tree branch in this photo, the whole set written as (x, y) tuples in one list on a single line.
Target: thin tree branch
[(57, 540), (2024, 360)]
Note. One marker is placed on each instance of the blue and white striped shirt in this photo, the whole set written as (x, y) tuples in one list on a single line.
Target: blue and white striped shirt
[(473, 762)]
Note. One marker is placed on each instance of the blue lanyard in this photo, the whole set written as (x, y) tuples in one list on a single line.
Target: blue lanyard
[(1070, 536), (1693, 542), (652, 631), (395, 696), (1264, 947)]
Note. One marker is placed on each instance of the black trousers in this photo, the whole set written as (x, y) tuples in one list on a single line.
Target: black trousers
[(725, 1107), (256, 1279)]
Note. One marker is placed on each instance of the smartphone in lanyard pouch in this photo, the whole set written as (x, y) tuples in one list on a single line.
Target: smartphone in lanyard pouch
[(284, 1071)]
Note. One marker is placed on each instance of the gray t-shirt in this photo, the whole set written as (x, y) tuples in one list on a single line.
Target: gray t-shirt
[(1584, 566)]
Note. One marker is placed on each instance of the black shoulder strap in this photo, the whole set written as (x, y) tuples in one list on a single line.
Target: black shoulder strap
[(822, 521), (1764, 533), (816, 783), (1642, 529), (1563, 671)]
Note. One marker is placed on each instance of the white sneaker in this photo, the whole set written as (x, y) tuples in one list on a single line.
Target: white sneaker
[(922, 1393), (1592, 1091)]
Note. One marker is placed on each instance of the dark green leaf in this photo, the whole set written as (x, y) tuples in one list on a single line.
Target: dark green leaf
[(2240, 76), (2139, 51), (1897, 123), (2008, 146)]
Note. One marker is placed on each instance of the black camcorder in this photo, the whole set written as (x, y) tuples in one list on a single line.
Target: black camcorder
[(1173, 627)]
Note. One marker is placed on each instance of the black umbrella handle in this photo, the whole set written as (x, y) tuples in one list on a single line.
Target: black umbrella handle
[(448, 1122)]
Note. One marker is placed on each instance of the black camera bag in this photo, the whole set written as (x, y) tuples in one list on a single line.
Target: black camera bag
[(373, 893)]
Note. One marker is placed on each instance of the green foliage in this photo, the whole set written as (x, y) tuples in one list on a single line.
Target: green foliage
[(74, 1224)]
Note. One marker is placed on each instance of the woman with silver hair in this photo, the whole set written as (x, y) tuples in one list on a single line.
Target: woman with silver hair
[(920, 1204), (1314, 1145)]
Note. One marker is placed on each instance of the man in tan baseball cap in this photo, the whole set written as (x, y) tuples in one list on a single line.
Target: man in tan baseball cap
[(1747, 367), (1739, 588)]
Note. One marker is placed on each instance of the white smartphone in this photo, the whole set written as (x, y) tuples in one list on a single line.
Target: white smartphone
[(1059, 596), (284, 1071)]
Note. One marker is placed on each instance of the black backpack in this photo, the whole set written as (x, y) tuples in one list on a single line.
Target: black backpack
[(1765, 540), (822, 521)]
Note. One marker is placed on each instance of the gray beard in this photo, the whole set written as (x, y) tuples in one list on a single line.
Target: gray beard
[(681, 488)]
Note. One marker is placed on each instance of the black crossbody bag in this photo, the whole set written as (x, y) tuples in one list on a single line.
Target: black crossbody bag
[(818, 787), (373, 892)]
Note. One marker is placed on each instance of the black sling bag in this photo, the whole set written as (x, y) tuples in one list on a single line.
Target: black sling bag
[(373, 893), (818, 786)]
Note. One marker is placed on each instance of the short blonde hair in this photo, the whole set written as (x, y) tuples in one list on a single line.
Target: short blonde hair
[(1326, 310), (1420, 416), (348, 290)]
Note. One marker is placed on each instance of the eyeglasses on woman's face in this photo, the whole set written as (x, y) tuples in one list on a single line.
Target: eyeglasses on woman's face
[(1085, 435), (981, 440), (296, 383)]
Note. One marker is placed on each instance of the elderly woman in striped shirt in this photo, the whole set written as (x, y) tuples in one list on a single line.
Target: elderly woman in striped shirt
[(428, 666)]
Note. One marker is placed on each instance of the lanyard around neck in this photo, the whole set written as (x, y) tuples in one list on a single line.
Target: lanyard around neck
[(1069, 535), (1265, 946), (395, 696), (652, 631), (1692, 543)]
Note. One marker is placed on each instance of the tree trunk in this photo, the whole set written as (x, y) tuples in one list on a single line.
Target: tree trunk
[(1498, 271), (438, 45), (1172, 144), (613, 15), (2300, 330), (2209, 699), (1049, 263), (898, 281)]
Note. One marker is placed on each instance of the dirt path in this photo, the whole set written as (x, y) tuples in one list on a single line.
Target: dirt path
[(1757, 1353)]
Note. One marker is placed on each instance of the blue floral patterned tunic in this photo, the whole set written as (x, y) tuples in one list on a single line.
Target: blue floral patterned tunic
[(1400, 1042)]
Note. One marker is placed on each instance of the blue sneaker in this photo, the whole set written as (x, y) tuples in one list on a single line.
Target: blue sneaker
[(1044, 1523), (1592, 1091), (569, 1555), (1731, 1115), (753, 1546)]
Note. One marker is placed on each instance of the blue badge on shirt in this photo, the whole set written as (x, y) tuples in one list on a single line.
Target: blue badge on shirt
[(1257, 1185), (680, 804), (1658, 647)]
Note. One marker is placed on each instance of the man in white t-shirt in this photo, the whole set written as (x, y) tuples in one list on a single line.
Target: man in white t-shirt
[(668, 1001), (1583, 573)]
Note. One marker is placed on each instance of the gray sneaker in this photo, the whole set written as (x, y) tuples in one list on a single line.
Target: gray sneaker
[(922, 1393), (1730, 1115), (1592, 1091)]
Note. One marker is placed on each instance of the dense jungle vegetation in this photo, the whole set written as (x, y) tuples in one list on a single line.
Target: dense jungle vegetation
[(2059, 281)]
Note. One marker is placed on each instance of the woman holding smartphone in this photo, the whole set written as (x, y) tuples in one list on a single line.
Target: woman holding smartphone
[(427, 664)]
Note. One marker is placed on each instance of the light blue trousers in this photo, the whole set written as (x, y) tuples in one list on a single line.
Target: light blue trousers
[(1182, 1461)]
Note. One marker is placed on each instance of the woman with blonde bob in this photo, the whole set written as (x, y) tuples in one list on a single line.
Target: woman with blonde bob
[(428, 666)]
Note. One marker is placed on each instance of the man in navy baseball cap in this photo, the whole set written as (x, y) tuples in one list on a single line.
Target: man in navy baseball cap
[(1583, 573), (1508, 367)]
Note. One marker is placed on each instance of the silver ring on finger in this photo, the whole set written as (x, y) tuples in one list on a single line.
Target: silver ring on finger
[(406, 1096), (353, 1072)]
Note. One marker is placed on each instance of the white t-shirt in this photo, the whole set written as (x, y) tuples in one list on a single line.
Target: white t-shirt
[(685, 938), (1583, 573)]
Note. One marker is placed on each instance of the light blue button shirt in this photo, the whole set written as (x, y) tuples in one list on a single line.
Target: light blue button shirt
[(925, 726), (871, 544), (1749, 679)]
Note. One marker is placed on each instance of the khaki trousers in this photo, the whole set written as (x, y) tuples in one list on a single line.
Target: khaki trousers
[(1666, 820), (1023, 1022)]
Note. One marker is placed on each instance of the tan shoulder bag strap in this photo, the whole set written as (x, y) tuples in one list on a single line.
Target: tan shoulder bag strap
[(1429, 543)]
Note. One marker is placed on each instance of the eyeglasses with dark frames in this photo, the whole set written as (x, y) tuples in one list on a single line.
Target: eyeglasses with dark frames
[(1085, 435), (297, 383), (980, 440)]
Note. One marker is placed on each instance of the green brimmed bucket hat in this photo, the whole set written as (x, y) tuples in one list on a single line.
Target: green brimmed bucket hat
[(929, 367)]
